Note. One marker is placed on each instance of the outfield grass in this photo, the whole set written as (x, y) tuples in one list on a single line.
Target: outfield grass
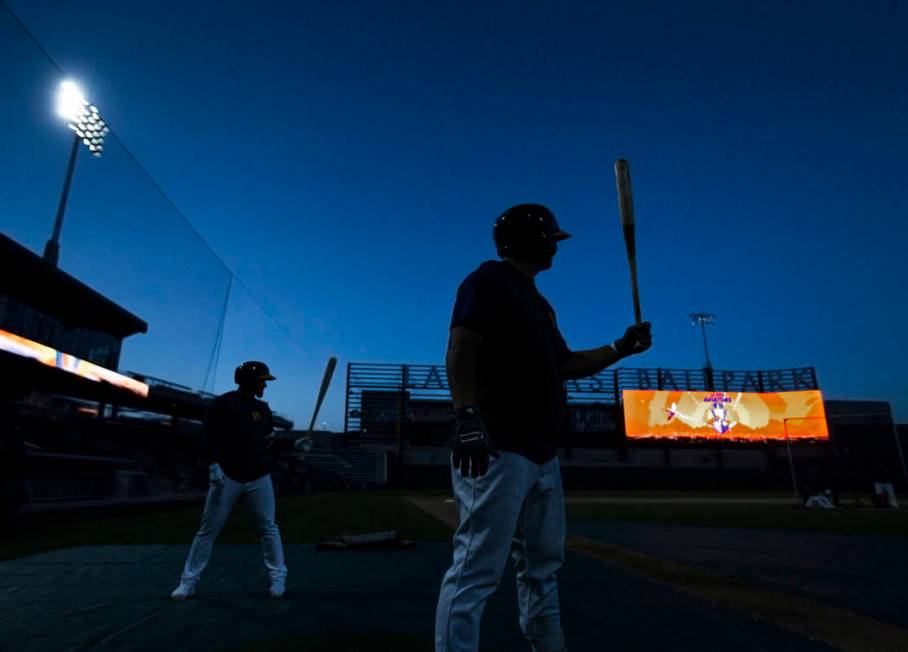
[(773, 517), (303, 519), (317, 517)]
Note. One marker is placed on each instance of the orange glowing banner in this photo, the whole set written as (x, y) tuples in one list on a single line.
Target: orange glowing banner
[(747, 416), (70, 363)]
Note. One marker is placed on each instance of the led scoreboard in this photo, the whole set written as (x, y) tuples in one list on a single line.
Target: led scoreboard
[(724, 415), (27, 348)]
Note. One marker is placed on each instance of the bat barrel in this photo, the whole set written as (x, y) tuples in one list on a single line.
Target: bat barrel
[(625, 196), (326, 382), (628, 223)]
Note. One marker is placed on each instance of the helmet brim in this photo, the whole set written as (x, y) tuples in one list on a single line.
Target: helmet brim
[(267, 377), (561, 235)]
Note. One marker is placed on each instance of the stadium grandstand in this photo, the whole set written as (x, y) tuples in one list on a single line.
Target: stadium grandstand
[(75, 428), (91, 434)]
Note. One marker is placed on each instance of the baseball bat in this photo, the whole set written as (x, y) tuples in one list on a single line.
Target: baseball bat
[(326, 381), (626, 207)]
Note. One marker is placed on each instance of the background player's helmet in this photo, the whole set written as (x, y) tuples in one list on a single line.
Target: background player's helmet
[(251, 372), (528, 232)]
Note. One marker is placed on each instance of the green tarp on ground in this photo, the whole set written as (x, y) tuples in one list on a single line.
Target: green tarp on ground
[(117, 598)]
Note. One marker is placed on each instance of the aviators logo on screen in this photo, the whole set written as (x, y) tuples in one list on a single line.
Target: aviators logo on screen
[(716, 417)]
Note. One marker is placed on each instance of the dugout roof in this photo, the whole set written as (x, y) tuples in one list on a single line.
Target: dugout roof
[(28, 279)]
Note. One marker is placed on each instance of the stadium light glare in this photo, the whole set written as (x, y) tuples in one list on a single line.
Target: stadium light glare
[(70, 101)]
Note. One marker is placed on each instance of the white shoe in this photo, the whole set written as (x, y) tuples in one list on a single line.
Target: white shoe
[(277, 588), (184, 591)]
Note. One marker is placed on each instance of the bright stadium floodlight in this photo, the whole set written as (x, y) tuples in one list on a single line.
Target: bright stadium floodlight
[(69, 100), (83, 118), (701, 319), (89, 130)]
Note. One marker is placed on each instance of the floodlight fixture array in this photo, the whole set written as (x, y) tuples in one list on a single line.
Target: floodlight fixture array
[(701, 318), (82, 117)]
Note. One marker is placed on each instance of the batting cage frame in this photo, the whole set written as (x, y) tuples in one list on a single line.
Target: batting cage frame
[(852, 471)]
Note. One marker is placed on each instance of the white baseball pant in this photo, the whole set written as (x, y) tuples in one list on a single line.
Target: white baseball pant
[(259, 496)]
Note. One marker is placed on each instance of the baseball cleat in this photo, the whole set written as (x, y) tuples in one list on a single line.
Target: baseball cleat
[(184, 591), (277, 588)]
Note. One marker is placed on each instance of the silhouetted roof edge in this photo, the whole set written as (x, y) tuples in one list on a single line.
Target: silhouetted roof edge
[(24, 274)]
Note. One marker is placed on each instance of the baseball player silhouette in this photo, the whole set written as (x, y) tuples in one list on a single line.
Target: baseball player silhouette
[(237, 434), (506, 364)]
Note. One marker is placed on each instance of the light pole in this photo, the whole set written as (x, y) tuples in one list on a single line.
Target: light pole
[(88, 129), (701, 319)]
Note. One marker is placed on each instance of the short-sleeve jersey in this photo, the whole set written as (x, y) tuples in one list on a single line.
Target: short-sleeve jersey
[(235, 433), (520, 386)]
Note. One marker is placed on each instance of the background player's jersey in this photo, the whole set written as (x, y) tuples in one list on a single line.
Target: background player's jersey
[(235, 431)]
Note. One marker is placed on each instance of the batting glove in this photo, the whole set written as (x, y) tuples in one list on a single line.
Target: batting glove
[(216, 475), (470, 443), (636, 339)]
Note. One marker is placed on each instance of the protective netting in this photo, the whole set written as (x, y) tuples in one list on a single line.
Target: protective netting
[(121, 235), (124, 237)]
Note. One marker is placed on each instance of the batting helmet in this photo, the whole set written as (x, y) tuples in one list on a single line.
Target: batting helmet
[(250, 372), (528, 232)]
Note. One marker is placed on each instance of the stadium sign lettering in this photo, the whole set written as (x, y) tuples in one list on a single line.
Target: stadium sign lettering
[(738, 381), (593, 385), (434, 378)]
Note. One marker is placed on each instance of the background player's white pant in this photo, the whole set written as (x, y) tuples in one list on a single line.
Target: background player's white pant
[(516, 508), (259, 496)]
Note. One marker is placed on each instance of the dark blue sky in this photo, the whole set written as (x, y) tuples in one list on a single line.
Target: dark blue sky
[(347, 160)]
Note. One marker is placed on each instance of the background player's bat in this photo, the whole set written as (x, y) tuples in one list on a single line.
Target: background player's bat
[(326, 381), (626, 207), (304, 444)]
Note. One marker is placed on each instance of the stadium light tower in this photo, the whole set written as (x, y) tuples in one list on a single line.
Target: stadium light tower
[(88, 129), (701, 319)]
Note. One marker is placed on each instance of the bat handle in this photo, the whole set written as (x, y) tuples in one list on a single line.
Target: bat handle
[(635, 291)]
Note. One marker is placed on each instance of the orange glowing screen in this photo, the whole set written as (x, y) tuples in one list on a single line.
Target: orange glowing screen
[(725, 415), (53, 358)]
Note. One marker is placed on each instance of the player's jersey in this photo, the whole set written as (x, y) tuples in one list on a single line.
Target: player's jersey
[(235, 434), (521, 390)]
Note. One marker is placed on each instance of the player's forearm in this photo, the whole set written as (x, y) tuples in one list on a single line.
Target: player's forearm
[(460, 363), (585, 363), (210, 450)]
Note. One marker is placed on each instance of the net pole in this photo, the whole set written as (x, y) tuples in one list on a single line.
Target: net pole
[(791, 467), (898, 446)]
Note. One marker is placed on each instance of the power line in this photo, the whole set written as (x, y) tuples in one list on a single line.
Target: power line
[(269, 314), (32, 37)]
